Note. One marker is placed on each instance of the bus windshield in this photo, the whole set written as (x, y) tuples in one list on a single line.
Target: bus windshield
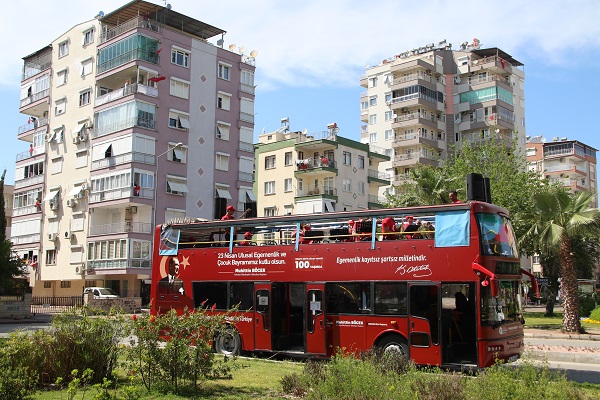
[(497, 235), (503, 308)]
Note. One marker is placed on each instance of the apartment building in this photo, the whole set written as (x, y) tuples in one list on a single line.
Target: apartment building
[(420, 101), (8, 207), (302, 173), (133, 118)]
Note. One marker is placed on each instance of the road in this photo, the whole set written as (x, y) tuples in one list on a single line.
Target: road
[(575, 372)]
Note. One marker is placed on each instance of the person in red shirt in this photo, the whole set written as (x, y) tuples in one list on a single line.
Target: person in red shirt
[(388, 226), (247, 239), (454, 197), (228, 213)]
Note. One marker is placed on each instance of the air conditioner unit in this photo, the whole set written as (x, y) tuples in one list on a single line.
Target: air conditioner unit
[(76, 139), (53, 205), (133, 209), (71, 203), (52, 236), (84, 186), (68, 235)]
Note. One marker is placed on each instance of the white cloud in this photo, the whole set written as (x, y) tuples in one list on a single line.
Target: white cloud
[(328, 43)]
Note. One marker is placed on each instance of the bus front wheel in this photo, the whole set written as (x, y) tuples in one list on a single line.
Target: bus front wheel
[(228, 343), (396, 344)]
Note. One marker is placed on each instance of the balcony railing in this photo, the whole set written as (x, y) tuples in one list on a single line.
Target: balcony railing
[(247, 88), (412, 96), (35, 97), (126, 91), (321, 135), (244, 146), (34, 66), (413, 77), (245, 176), (17, 212), (247, 117), (376, 199), (34, 124), (29, 154), (564, 167), (118, 264), (120, 193), (148, 123), (310, 164), (23, 239), (138, 22), (373, 173), (135, 54), (33, 180), (121, 227), (316, 190), (124, 159)]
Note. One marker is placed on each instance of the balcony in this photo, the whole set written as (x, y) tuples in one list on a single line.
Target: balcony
[(29, 128), (148, 123), (135, 54), (413, 99), (422, 118), (492, 63), (412, 139), (247, 147), (138, 22), (25, 239), (411, 159), (246, 176), (565, 167), (25, 155), (378, 177), (17, 212), (37, 64), (120, 227), (246, 88), (33, 100), (126, 91), (104, 266), (124, 159), (120, 193), (29, 181), (401, 178), (376, 201), (316, 190), (310, 167), (247, 117)]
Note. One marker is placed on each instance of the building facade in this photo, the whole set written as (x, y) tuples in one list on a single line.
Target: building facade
[(126, 111), (302, 173), (421, 102)]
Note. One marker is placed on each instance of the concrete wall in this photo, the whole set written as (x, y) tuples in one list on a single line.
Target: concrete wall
[(129, 305), (16, 309)]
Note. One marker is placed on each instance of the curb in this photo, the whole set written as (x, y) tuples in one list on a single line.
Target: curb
[(563, 336), (558, 356)]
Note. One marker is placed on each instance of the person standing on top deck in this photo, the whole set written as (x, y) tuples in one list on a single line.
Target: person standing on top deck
[(228, 213), (454, 197)]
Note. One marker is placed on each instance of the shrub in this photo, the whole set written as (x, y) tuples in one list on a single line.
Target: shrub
[(586, 303), (16, 381), (595, 314)]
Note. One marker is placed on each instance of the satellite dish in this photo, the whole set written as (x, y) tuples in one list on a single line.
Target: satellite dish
[(253, 53), (543, 140), (168, 6), (232, 47), (305, 131), (242, 49)]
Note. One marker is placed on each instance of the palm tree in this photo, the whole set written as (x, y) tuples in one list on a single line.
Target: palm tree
[(560, 218), (429, 186)]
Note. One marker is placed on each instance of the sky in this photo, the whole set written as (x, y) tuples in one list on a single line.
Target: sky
[(312, 53)]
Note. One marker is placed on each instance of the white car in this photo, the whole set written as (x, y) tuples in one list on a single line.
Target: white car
[(101, 293)]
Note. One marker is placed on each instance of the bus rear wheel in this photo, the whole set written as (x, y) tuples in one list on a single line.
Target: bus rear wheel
[(228, 342), (395, 344)]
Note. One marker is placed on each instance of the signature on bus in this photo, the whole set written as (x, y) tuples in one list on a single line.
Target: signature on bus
[(417, 271)]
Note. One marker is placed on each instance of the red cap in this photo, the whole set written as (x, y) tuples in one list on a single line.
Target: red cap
[(307, 227), (230, 208), (350, 222), (247, 235), (410, 216)]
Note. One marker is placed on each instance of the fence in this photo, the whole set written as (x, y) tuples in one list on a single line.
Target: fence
[(54, 304)]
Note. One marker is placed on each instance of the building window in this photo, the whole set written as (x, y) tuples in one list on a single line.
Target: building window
[(361, 187), (270, 187), (372, 101), (179, 88), (56, 166), (347, 158), (177, 186), (177, 154), (179, 120), (224, 101), (60, 106), (51, 257), (63, 49), (61, 77), (65, 284), (389, 134), (347, 185), (223, 130), (373, 82), (222, 162), (372, 119), (269, 162), (180, 57), (389, 115), (388, 97), (364, 105), (361, 162), (88, 37), (84, 98), (82, 159), (288, 158), (247, 81), (223, 71), (287, 185), (86, 67), (269, 211), (373, 138)]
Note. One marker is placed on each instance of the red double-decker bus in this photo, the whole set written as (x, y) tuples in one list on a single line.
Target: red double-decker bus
[(442, 287)]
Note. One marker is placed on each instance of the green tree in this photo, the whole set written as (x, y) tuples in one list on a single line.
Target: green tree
[(557, 222), (429, 185), (10, 265)]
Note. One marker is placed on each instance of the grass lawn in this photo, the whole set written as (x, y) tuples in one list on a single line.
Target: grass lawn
[(539, 321), (252, 379)]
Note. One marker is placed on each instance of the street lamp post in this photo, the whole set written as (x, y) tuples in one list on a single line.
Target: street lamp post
[(156, 181)]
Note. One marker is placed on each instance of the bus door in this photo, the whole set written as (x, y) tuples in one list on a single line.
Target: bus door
[(262, 316), (315, 319), (423, 320)]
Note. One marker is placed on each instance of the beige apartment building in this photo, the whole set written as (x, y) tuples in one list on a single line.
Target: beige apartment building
[(419, 102), (568, 162), (302, 173)]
